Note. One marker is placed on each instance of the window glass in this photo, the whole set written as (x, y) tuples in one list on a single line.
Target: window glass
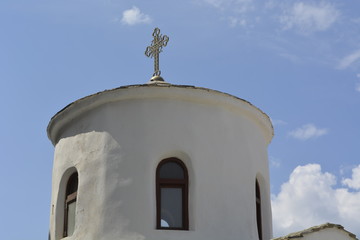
[(163, 223), (171, 170), (71, 218), (258, 209), (171, 207), (72, 184), (70, 205), (172, 195)]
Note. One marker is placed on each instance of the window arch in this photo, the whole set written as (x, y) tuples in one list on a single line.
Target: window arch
[(70, 205), (172, 195), (258, 209)]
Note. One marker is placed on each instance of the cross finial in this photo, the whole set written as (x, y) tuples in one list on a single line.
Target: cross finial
[(155, 49)]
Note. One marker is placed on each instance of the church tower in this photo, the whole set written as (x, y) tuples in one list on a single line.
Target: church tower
[(159, 161)]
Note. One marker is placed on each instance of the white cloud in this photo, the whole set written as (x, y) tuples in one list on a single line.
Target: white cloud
[(354, 181), (310, 17), (134, 16), (308, 131), (349, 59), (311, 194)]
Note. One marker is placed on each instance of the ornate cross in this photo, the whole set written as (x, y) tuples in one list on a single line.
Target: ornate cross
[(155, 48)]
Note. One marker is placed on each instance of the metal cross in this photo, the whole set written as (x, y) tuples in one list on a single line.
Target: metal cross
[(155, 48)]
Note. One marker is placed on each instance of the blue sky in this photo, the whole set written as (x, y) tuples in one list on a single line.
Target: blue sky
[(298, 61)]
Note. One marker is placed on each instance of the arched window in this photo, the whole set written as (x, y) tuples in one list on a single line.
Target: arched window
[(70, 204), (258, 209), (172, 195)]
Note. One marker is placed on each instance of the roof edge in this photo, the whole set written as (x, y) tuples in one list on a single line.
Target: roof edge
[(57, 117), (301, 234)]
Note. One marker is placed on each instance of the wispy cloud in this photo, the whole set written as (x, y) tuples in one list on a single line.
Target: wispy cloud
[(274, 162), (311, 194), (357, 87), (309, 17), (308, 131), (349, 59), (216, 3), (235, 21), (356, 20), (134, 16), (240, 6), (236, 11), (278, 122), (291, 57)]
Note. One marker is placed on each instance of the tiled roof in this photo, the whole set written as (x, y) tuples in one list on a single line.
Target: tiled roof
[(301, 234)]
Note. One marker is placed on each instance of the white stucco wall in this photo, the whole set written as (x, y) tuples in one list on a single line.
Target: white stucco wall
[(115, 139)]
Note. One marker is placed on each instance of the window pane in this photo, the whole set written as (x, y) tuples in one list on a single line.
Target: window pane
[(72, 184), (258, 210), (71, 218), (171, 207), (171, 170)]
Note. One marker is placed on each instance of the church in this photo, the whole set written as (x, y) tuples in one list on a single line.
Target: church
[(160, 161)]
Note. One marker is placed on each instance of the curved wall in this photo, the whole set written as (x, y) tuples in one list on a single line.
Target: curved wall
[(115, 140)]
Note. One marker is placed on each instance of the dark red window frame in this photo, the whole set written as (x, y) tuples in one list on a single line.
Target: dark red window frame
[(172, 183)]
